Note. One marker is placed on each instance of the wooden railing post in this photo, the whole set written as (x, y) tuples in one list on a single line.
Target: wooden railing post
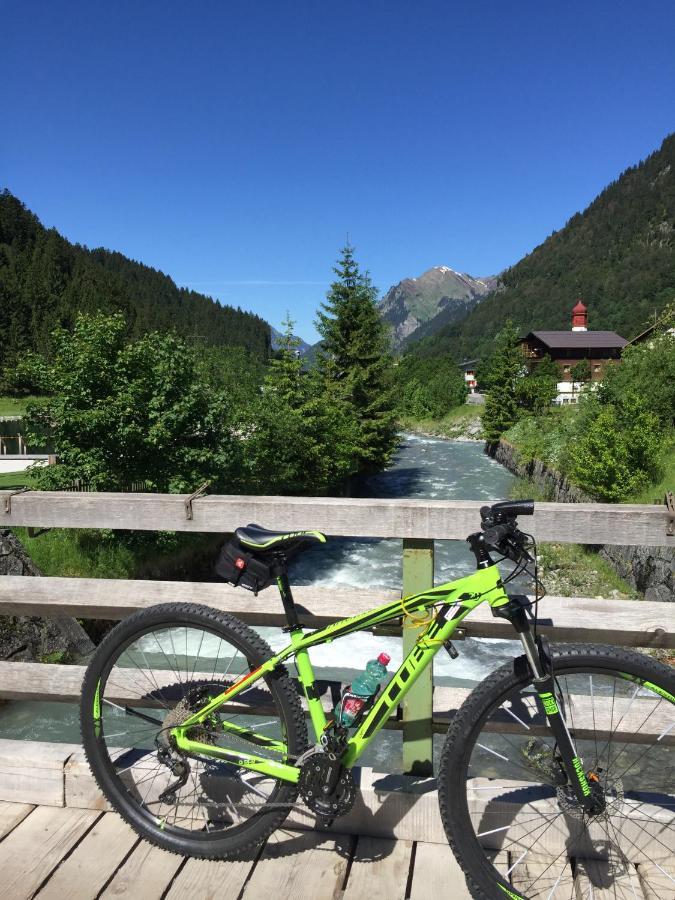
[(418, 755)]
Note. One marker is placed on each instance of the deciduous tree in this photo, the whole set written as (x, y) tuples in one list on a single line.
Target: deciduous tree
[(127, 412)]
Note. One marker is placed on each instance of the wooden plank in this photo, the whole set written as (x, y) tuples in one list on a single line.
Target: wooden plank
[(544, 878), (388, 805), (80, 788), (30, 853), (379, 870), (435, 865), (145, 875), (300, 863), (632, 721), (657, 882), (606, 880), (94, 860), (32, 771), (646, 829), (590, 523), (585, 619), (637, 717), (418, 748), (205, 879), (11, 814)]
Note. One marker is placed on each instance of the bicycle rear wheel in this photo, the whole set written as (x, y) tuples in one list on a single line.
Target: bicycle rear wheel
[(149, 674), (509, 814)]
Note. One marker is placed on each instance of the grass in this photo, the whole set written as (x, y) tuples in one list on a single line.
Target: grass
[(14, 406), (90, 553), (657, 490), (572, 570), (13, 480), (543, 437), (452, 425), (523, 489), (78, 554)]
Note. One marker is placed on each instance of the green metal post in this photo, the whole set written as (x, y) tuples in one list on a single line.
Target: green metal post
[(418, 575)]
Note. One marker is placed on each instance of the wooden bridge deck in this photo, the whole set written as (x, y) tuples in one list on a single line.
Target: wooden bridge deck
[(78, 854), (74, 848), (51, 852)]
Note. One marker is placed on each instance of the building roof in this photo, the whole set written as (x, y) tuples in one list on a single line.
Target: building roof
[(663, 321), (578, 339)]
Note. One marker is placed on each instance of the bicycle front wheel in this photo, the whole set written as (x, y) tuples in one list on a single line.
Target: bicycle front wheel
[(151, 673), (509, 813)]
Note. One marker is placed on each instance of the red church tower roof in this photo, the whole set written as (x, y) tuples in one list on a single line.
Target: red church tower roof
[(579, 317)]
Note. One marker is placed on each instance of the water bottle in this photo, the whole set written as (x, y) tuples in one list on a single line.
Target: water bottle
[(364, 686)]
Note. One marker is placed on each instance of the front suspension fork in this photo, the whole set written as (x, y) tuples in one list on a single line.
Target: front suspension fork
[(540, 664)]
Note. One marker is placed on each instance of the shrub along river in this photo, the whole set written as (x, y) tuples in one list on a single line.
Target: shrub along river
[(424, 467)]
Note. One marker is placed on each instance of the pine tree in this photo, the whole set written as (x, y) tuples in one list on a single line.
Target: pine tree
[(300, 442), (506, 371), (284, 377), (355, 362)]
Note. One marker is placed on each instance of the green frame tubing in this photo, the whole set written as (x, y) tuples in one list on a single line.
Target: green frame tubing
[(465, 594)]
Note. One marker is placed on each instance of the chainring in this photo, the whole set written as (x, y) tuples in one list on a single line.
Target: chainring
[(315, 776)]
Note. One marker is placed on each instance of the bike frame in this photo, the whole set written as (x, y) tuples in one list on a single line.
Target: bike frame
[(457, 599)]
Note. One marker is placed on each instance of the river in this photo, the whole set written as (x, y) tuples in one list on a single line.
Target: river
[(424, 467)]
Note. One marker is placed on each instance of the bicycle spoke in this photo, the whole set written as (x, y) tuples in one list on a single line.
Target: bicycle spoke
[(179, 668), (538, 835)]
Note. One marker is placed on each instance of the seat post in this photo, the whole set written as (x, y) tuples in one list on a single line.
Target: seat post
[(284, 586)]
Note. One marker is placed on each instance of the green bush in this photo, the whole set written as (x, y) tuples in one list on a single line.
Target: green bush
[(123, 412), (646, 369), (615, 454)]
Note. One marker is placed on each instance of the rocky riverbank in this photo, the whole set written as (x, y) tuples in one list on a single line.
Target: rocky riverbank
[(649, 570), (30, 638), (461, 424)]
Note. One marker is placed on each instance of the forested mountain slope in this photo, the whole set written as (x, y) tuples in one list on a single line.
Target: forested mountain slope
[(618, 255), (45, 281)]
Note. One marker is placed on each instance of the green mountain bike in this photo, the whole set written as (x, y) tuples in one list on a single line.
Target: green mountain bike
[(557, 766)]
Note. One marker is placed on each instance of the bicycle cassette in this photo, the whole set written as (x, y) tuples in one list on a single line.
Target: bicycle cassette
[(316, 776)]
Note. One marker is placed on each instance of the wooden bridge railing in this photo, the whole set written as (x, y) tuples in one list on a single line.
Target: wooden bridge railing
[(417, 522)]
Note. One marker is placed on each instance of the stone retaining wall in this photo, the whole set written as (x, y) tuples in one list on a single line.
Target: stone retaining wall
[(650, 570)]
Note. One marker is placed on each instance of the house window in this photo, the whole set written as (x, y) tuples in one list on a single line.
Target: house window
[(596, 369), (566, 369)]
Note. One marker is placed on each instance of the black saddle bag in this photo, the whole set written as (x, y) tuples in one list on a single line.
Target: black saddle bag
[(242, 568)]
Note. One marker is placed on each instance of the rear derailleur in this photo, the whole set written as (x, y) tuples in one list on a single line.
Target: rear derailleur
[(178, 766)]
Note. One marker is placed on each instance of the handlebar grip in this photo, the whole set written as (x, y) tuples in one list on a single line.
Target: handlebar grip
[(512, 508)]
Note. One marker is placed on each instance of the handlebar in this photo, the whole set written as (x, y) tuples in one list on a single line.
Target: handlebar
[(500, 531), (506, 509)]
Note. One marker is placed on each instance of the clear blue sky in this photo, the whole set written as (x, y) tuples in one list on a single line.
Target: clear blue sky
[(234, 145)]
